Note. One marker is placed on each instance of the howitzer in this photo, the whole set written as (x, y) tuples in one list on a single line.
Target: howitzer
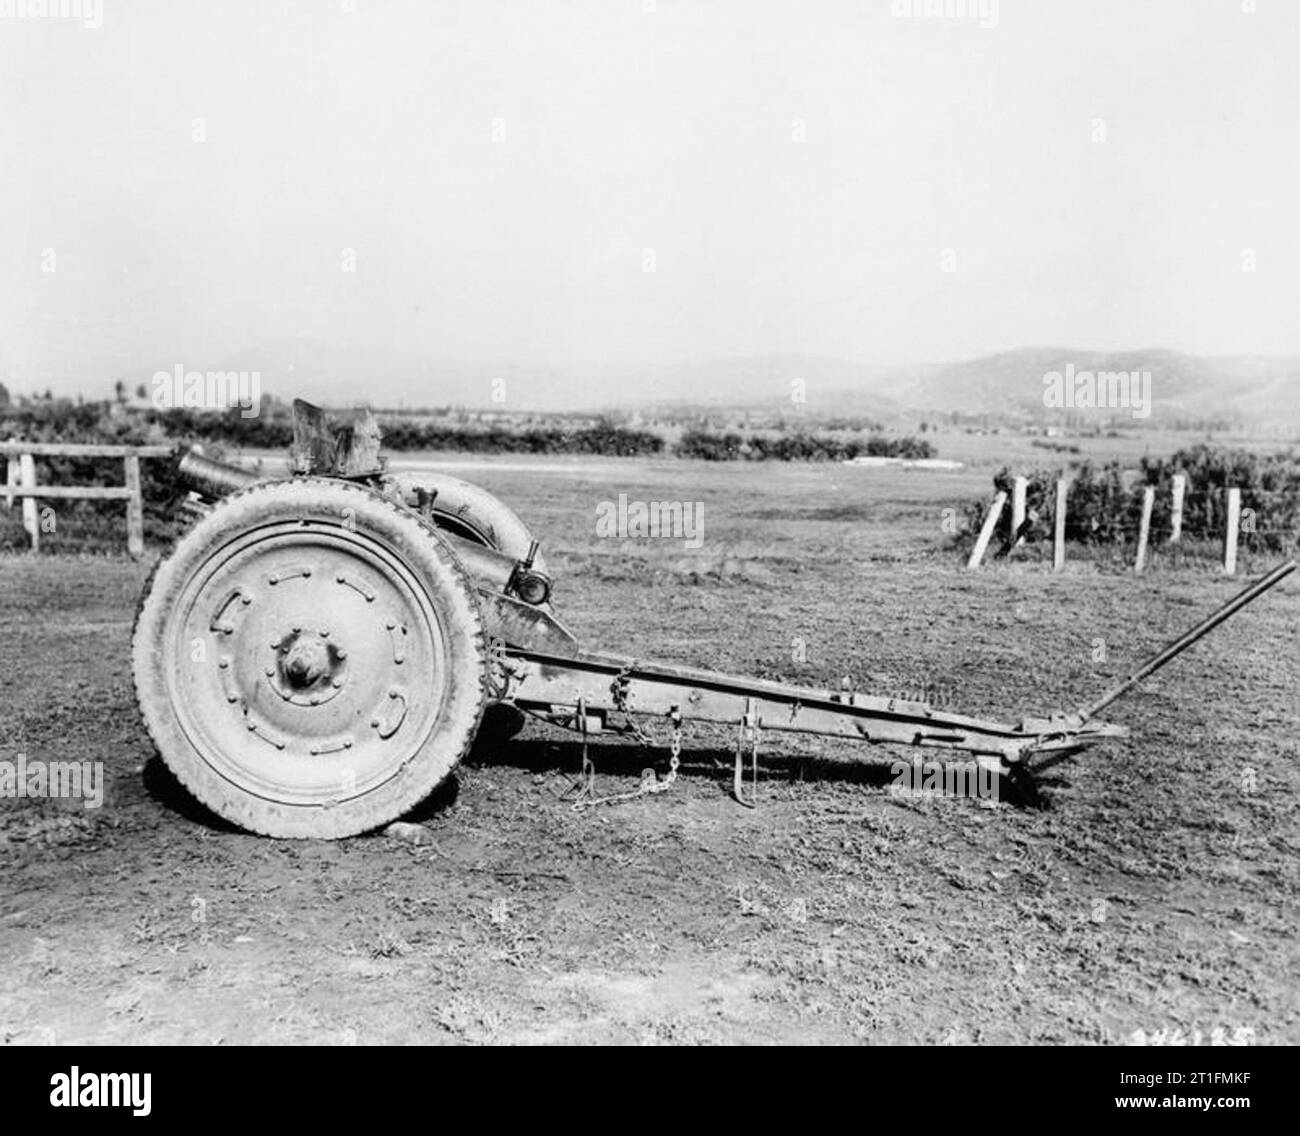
[(317, 652)]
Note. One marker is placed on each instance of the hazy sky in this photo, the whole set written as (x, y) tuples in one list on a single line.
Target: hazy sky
[(502, 171)]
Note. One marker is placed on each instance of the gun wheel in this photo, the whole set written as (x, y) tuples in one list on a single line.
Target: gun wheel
[(310, 660)]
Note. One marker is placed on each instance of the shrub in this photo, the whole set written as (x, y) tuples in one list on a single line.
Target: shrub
[(798, 446), (1104, 503), (709, 447)]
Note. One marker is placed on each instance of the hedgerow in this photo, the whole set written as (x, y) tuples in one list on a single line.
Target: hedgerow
[(1104, 502)]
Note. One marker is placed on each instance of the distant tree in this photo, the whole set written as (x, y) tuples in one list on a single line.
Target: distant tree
[(141, 392), (119, 391), (4, 395)]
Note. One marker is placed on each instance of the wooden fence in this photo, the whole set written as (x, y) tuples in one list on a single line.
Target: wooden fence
[(21, 483), (1179, 493)]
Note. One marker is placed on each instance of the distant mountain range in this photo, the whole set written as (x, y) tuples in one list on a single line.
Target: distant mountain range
[(1244, 390)]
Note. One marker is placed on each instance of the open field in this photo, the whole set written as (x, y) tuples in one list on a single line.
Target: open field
[(1153, 888)]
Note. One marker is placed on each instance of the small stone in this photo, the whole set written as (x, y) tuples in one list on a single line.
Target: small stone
[(410, 833)]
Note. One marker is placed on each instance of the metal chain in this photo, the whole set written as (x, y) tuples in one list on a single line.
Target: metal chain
[(650, 784), (500, 673), (618, 688)]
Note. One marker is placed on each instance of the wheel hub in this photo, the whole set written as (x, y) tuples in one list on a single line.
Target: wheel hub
[(307, 668)]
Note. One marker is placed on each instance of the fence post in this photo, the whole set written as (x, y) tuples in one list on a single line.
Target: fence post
[(1144, 530), (1018, 488), (1180, 489), (986, 533), (27, 479), (13, 480), (1058, 541), (1230, 532), (134, 508)]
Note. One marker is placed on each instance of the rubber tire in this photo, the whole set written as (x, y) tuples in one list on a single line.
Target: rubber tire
[(404, 535), (470, 510)]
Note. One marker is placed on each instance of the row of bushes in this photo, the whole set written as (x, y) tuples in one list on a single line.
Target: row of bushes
[(604, 438), (797, 447), (1104, 502), (273, 430)]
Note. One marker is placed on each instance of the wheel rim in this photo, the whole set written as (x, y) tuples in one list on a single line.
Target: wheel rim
[(306, 667)]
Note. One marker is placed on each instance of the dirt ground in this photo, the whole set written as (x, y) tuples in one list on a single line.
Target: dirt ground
[(1153, 888)]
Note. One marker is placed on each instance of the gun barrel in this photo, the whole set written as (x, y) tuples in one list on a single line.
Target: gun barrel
[(214, 478), (1179, 645)]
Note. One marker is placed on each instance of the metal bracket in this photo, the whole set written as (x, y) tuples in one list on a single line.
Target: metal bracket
[(748, 736), (583, 790)]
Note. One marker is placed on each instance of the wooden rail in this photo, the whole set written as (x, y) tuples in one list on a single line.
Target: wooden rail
[(21, 483)]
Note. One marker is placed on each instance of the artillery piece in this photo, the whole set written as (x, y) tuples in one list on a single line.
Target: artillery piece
[(316, 653)]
